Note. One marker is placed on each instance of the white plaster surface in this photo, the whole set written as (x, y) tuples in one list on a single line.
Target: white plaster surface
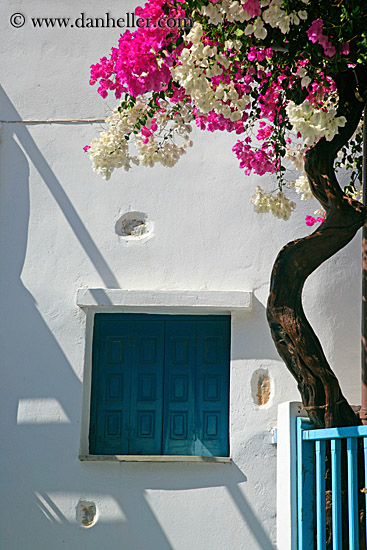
[(98, 298), (41, 411), (286, 475), (57, 234)]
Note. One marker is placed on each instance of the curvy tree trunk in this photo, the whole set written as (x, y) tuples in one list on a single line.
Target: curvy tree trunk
[(294, 337)]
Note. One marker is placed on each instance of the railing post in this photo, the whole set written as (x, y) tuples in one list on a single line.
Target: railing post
[(320, 448), (336, 493), (310, 469), (353, 516), (365, 477)]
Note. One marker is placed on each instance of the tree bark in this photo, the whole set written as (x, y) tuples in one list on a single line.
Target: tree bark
[(293, 335)]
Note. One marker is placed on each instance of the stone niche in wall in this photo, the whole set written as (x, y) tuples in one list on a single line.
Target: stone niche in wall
[(134, 226)]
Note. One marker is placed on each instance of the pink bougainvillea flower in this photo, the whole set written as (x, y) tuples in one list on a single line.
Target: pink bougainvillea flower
[(345, 48), (252, 7), (315, 34), (310, 220)]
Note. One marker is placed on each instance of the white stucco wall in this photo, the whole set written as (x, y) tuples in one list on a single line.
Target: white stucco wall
[(57, 234)]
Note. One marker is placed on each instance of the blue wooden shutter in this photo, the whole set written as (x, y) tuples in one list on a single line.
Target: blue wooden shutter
[(160, 385), (147, 387), (196, 412), (212, 387), (110, 399), (179, 393)]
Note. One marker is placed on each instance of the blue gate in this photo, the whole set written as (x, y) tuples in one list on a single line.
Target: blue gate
[(311, 450)]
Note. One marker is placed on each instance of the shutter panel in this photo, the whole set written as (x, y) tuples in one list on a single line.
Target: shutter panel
[(110, 400), (160, 385), (179, 391), (147, 387), (212, 387)]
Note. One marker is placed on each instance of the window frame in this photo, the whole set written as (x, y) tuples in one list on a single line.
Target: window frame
[(177, 302), (193, 367)]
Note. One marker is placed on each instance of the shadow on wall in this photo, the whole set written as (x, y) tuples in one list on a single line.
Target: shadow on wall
[(128, 510), (42, 479), (246, 341), (34, 366), (54, 186)]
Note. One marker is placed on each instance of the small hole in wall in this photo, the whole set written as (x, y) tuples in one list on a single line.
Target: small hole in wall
[(261, 387), (86, 513), (133, 225)]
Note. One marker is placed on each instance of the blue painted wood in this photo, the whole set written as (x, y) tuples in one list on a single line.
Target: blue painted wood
[(352, 493), (146, 393), (335, 433), (336, 493), (351, 434), (305, 487), (160, 384), (179, 393), (111, 379), (365, 473), (320, 449), (212, 387)]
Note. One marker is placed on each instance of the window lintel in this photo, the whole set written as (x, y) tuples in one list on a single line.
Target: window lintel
[(113, 299)]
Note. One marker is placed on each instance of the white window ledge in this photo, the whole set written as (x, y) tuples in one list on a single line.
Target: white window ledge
[(140, 300), (155, 458)]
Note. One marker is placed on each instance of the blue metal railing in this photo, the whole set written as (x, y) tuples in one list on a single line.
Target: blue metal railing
[(311, 496)]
